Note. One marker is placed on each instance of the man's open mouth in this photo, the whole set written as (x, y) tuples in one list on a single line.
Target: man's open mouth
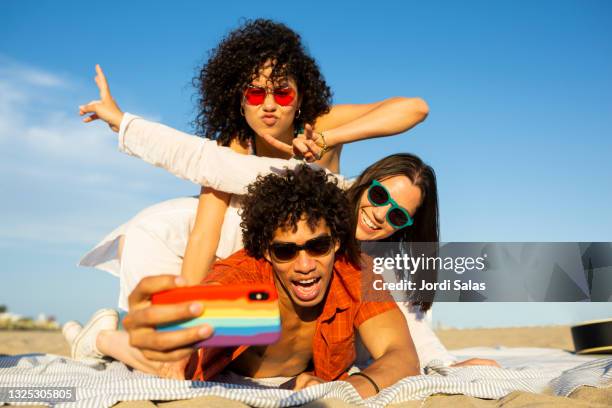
[(306, 289)]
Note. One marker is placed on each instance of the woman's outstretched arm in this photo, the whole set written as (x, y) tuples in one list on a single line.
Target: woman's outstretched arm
[(205, 235), (206, 232), (350, 123), (199, 160), (323, 141)]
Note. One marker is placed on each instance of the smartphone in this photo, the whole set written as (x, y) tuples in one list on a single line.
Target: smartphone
[(239, 314)]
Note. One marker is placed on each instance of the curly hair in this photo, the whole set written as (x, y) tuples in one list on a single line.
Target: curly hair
[(236, 62), (281, 200)]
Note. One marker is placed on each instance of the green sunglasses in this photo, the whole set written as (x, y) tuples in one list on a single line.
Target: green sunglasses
[(397, 216)]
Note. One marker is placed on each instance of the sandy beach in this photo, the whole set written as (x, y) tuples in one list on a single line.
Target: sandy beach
[(20, 342), (33, 341), (536, 336)]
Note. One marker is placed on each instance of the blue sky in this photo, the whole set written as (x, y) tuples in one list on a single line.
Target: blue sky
[(519, 129)]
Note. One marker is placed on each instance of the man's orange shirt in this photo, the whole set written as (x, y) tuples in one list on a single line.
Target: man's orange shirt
[(333, 346)]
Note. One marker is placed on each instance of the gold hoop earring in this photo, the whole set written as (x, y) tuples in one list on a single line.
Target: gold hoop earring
[(299, 112), (241, 110)]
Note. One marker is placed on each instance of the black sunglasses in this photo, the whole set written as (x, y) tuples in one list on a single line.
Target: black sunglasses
[(288, 251)]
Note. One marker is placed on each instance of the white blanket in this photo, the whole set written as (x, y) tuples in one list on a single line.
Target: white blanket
[(104, 385)]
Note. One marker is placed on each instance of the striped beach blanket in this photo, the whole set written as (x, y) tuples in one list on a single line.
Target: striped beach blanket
[(103, 385)]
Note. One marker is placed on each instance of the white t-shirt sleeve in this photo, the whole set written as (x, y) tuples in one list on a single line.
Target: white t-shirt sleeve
[(199, 160)]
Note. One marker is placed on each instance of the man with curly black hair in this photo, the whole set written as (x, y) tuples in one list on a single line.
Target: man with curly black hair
[(297, 234)]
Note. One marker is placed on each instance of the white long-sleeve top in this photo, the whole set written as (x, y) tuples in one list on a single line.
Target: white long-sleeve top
[(199, 160)]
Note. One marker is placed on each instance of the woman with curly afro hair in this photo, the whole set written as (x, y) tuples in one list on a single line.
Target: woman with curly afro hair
[(260, 53)]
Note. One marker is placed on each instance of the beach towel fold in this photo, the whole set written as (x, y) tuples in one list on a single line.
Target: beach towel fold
[(103, 385)]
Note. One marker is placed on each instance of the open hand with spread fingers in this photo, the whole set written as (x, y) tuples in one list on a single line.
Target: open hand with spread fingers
[(105, 108), (310, 145)]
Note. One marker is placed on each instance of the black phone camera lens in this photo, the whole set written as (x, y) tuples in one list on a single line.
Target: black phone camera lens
[(259, 296)]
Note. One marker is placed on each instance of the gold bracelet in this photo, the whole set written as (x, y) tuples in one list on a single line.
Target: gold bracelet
[(325, 148)]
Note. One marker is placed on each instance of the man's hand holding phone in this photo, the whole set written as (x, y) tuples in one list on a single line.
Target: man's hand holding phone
[(143, 317)]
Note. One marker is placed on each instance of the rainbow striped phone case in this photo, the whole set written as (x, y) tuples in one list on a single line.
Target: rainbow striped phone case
[(239, 314)]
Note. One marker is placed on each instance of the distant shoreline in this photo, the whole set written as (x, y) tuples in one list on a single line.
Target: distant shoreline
[(43, 329)]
